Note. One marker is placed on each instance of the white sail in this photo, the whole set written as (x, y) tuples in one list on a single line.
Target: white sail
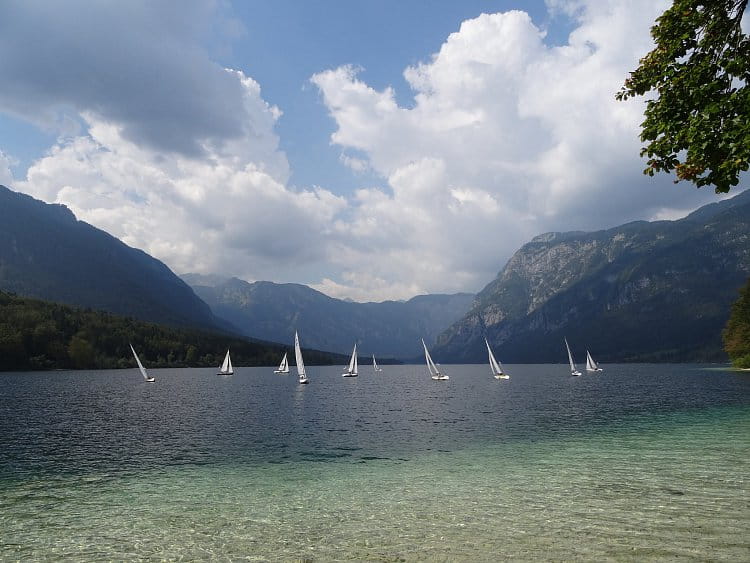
[(430, 364), (353, 367), (226, 366), (283, 366), (497, 369), (573, 370), (145, 375), (434, 371), (298, 357), (591, 365), (375, 364)]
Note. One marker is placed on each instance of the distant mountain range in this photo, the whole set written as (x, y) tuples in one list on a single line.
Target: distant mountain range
[(644, 291), (46, 253), (273, 312)]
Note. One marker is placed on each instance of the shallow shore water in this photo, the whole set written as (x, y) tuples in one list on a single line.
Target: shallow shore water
[(638, 462)]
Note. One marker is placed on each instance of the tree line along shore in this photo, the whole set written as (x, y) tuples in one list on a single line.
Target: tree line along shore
[(40, 335)]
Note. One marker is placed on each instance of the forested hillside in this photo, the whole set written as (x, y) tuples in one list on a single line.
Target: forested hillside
[(41, 335)]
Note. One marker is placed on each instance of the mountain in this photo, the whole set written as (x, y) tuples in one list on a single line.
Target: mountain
[(644, 291), (273, 312), (46, 253)]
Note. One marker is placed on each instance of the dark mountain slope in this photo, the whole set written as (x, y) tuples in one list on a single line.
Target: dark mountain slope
[(45, 252), (644, 291)]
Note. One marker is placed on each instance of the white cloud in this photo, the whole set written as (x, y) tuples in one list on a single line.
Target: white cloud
[(356, 164), (160, 145), (138, 63), (506, 138), (229, 212), (6, 176)]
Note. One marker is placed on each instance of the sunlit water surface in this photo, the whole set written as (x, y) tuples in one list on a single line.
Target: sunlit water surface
[(637, 462)]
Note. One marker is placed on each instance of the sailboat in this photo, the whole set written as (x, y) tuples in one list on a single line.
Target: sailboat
[(573, 370), (591, 365), (226, 366), (145, 374), (283, 366), (353, 367), (434, 371), (298, 357), (375, 364), (495, 366)]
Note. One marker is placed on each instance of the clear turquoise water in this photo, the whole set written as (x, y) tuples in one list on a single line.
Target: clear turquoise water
[(640, 462)]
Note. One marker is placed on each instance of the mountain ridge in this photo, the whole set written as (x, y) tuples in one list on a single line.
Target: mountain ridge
[(47, 253), (642, 291), (273, 311)]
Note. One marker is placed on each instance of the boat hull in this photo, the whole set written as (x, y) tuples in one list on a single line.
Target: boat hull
[(440, 377), (502, 376)]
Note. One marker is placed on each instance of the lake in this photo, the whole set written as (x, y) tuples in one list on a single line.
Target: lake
[(642, 461)]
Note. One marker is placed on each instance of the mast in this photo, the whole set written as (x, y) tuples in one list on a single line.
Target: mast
[(430, 364), (353, 367), (284, 365), (353, 364), (591, 365), (494, 364), (573, 370), (298, 357), (226, 366), (570, 357), (140, 366)]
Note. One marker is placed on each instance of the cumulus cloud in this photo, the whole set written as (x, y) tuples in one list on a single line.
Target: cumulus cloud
[(136, 63), (507, 137), (168, 150), (222, 214)]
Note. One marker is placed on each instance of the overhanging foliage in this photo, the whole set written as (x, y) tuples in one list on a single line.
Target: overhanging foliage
[(698, 122)]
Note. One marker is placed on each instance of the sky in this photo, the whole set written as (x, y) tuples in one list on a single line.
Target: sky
[(371, 150)]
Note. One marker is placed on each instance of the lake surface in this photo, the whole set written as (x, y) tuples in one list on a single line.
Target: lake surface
[(638, 462)]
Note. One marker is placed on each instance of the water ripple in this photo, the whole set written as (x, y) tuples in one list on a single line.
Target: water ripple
[(639, 463)]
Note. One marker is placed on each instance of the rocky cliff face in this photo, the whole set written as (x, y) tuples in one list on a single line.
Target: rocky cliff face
[(643, 291)]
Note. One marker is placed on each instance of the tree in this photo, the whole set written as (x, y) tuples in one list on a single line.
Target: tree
[(737, 332), (698, 124), (81, 352), (191, 356)]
